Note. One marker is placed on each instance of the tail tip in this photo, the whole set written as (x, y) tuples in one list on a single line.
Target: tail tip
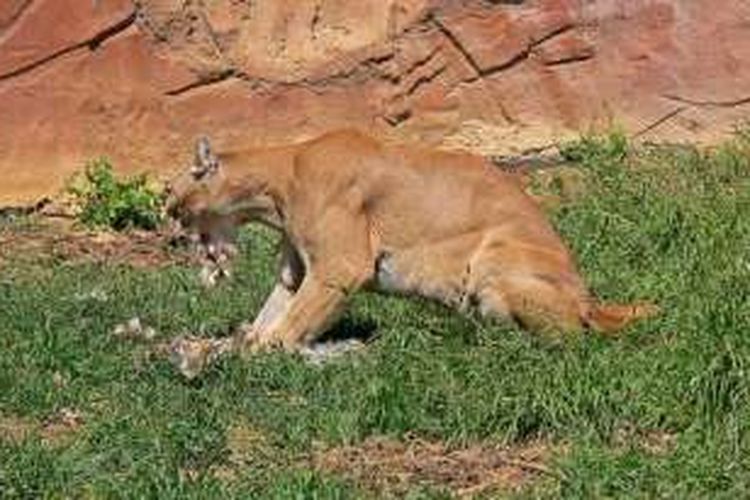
[(611, 318)]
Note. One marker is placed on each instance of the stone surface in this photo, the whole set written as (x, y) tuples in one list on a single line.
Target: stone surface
[(137, 80)]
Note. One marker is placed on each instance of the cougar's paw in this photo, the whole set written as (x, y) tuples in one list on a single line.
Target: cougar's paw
[(254, 341), (191, 355)]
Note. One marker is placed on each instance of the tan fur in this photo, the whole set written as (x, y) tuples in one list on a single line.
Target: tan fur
[(356, 213)]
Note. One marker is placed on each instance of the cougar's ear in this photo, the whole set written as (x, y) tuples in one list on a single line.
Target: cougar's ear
[(206, 162)]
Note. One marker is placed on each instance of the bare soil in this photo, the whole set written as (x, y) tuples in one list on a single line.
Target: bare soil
[(388, 466), (55, 430), (64, 240)]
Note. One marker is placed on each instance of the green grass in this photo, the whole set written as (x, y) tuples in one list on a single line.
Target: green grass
[(668, 226)]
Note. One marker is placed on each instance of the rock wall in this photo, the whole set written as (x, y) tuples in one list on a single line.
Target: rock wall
[(137, 80)]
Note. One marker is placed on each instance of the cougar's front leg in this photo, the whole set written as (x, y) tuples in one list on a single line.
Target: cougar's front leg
[(336, 265), (291, 273), (310, 311), (274, 307)]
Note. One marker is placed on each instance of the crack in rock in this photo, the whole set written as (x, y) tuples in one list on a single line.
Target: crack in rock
[(416, 65), (315, 21), (575, 58), (659, 121), (365, 68), (92, 44), (708, 103), (512, 61), (424, 80), (395, 120), (371, 67), (16, 16), (524, 54), (456, 43), (205, 81)]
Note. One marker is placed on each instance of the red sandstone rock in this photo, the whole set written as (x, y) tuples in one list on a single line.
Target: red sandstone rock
[(137, 81), (37, 30)]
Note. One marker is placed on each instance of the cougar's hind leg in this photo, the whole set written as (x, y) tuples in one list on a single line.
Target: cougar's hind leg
[(547, 305), (544, 305), (530, 281), (538, 304)]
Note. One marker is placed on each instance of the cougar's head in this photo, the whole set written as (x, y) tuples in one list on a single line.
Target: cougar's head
[(195, 205), (189, 191)]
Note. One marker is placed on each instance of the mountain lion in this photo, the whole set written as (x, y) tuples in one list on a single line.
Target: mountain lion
[(356, 213)]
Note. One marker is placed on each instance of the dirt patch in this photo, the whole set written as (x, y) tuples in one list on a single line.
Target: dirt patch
[(651, 441), (245, 442), (64, 241), (55, 430), (59, 428), (249, 448), (14, 429), (387, 466)]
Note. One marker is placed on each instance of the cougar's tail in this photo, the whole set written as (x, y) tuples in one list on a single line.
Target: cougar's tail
[(609, 318)]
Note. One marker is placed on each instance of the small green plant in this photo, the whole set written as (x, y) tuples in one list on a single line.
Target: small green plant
[(591, 148), (105, 201)]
